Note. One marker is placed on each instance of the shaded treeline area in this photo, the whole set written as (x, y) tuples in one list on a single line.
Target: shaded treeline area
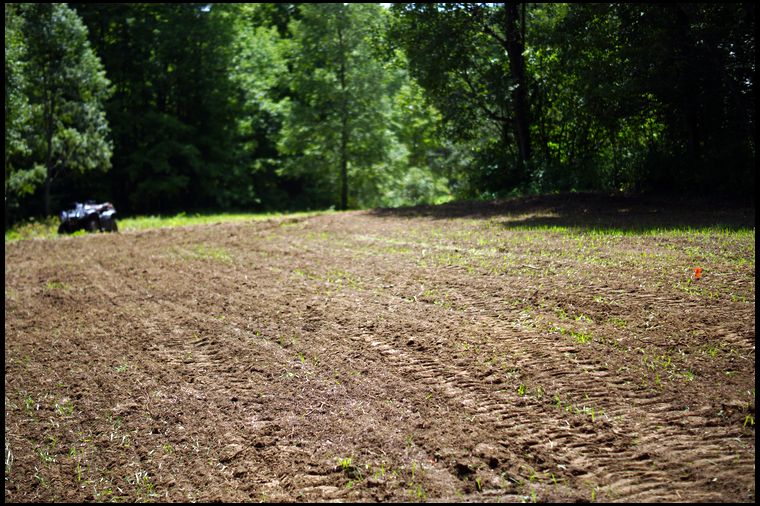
[(162, 108)]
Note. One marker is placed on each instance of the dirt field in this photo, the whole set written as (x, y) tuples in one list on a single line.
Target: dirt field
[(461, 353)]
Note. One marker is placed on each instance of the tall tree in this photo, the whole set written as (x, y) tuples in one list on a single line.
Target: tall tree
[(514, 43), (699, 66), (337, 125), (19, 181), (66, 87), (665, 90), (258, 70), (171, 111), (469, 58)]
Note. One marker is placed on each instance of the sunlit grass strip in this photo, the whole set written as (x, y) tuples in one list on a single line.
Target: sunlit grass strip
[(33, 229), (634, 231), (182, 219), (48, 228)]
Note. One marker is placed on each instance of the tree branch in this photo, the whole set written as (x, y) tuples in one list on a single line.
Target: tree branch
[(477, 13), (490, 113)]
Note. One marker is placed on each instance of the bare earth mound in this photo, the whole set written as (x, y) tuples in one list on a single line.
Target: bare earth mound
[(538, 349)]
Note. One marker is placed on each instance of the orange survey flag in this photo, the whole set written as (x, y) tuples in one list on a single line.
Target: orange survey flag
[(698, 272)]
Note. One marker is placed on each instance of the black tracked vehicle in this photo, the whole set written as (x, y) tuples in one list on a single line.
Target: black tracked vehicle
[(88, 216)]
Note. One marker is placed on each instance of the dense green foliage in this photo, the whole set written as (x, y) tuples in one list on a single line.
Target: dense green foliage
[(633, 97), (55, 122), (258, 107)]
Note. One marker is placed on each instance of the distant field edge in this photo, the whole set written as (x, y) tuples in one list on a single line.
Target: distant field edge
[(47, 228)]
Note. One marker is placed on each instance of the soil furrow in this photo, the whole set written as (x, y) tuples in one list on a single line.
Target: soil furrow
[(377, 357)]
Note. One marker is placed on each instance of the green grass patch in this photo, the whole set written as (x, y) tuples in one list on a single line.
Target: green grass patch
[(183, 219), (633, 230), (33, 229), (55, 285)]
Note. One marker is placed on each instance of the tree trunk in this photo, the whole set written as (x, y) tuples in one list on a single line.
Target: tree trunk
[(515, 48), (616, 175), (47, 195), (343, 122), (49, 108), (343, 143), (344, 169)]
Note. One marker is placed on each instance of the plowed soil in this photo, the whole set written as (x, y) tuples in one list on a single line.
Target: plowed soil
[(544, 349)]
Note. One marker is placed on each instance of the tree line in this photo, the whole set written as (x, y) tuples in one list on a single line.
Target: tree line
[(179, 107)]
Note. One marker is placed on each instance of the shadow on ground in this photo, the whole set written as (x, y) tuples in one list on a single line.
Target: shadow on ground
[(594, 212)]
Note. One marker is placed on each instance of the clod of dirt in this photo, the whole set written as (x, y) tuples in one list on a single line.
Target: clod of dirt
[(488, 453), (229, 452)]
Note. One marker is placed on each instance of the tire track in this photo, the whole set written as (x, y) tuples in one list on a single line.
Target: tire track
[(648, 410), (614, 453), (450, 381)]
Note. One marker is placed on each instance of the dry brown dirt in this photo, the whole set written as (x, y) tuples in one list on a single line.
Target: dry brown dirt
[(470, 352)]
